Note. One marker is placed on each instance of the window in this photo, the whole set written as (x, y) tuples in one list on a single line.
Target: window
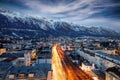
[(31, 75), (21, 76), (11, 76)]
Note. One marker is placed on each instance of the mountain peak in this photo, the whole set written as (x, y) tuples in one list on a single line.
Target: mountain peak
[(14, 23)]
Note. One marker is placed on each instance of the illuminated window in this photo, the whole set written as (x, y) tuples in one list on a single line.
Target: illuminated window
[(11, 76), (31, 75)]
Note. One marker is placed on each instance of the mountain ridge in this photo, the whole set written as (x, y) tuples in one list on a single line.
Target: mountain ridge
[(16, 25)]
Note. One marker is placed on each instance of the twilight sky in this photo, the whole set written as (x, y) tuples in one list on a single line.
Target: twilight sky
[(104, 13)]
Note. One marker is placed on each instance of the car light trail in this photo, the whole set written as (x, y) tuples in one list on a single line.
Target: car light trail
[(64, 68)]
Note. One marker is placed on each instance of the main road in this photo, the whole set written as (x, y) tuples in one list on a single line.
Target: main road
[(63, 68)]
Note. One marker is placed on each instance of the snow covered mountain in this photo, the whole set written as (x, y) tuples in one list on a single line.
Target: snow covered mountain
[(19, 25)]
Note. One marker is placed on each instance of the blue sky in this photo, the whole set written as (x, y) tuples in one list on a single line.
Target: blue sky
[(104, 13)]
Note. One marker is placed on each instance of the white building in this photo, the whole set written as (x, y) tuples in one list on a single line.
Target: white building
[(101, 60), (87, 66)]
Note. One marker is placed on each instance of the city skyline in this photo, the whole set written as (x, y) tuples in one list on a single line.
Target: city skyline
[(59, 39)]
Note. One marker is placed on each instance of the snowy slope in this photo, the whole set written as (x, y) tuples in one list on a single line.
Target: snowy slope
[(16, 24)]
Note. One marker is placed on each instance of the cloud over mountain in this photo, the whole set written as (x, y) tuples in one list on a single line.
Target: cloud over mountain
[(86, 12)]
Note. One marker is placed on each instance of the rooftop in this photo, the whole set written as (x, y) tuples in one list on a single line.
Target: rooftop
[(41, 70), (4, 66), (115, 59), (114, 70), (27, 70), (87, 63), (8, 55), (11, 56), (112, 58)]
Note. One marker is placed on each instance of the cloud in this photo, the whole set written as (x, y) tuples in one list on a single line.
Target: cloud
[(82, 8), (86, 12)]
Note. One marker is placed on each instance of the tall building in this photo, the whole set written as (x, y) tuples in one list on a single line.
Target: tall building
[(27, 58)]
